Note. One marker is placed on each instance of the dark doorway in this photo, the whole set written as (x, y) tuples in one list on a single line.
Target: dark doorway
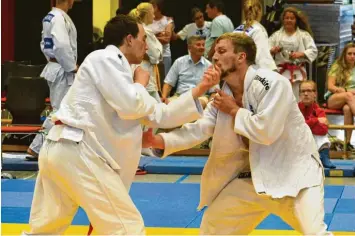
[(81, 14), (28, 28), (180, 11)]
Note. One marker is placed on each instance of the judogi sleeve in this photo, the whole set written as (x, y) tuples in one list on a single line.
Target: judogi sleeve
[(273, 106), (61, 44), (182, 110), (155, 49), (311, 50), (130, 100), (190, 134), (263, 56), (273, 40)]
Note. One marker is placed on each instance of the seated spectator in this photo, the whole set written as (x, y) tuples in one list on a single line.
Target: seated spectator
[(187, 71), (341, 88), (315, 119), (199, 27)]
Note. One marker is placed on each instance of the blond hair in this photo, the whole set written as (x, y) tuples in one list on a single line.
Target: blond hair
[(311, 82), (343, 70), (253, 11), (141, 11), (241, 43)]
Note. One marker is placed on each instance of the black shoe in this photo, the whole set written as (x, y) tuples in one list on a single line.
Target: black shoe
[(7, 176), (33, 157)]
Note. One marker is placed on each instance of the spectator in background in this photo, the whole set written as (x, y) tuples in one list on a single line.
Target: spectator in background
[(220, 24), (187, 71), (200, 27), (162, 27), (144, 14), (316, 120), (122, 10), (253, 12), (293, 46), (341, 88)]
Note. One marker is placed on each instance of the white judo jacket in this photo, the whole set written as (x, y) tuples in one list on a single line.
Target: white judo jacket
[(228, 156), (283, 155), (59, 41), (259, 34), (105, 109)]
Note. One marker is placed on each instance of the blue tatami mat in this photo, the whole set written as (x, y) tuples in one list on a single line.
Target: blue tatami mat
[(178, 165), (344, 168), (174, 205)]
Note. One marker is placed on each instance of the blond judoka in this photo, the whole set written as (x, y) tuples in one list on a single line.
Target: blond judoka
[(287, 175)]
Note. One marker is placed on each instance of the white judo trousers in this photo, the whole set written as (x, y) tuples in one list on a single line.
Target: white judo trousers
[(65, 190), (238, 210)]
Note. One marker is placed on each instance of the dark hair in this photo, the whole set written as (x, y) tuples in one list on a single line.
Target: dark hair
[(301, 19), (159, 4), (122, 11), (118, 28), (218, 4), (194, 11)]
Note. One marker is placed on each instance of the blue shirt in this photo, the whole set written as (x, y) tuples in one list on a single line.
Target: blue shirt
[(185, 75)]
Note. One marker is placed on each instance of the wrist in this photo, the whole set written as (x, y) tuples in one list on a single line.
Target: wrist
[(234, 112), (198, 91)]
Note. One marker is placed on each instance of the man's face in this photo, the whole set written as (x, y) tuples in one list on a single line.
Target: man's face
[(139, 45), (211, 11), (199, 19), (307, 94), (225, 58), (197, 48)]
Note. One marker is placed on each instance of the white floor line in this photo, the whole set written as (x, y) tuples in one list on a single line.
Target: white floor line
[(29, 177)]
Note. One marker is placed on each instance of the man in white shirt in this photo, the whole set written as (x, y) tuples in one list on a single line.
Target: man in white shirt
[(220, 24), (200, 27), (90, 156), (287, 175)]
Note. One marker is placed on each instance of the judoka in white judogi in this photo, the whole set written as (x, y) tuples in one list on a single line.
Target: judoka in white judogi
[(287, 175), (59, 46)]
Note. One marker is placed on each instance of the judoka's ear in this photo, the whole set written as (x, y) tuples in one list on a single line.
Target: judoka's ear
[(129, 40), (242, 56)]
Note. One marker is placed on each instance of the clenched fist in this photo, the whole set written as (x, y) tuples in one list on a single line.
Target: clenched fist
[(141, 76)]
